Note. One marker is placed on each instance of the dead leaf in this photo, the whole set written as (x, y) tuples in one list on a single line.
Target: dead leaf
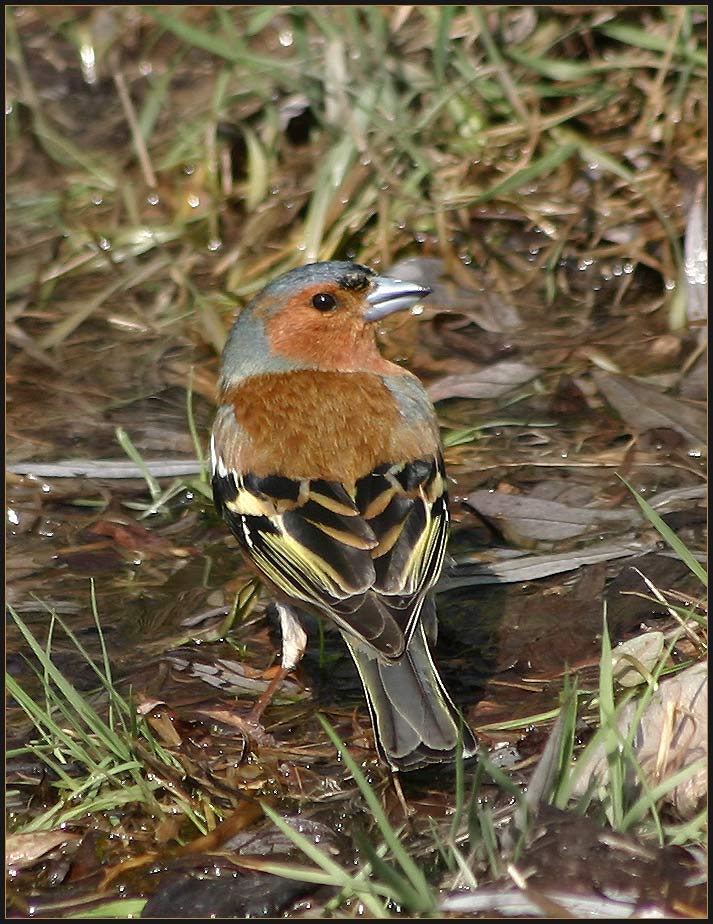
[(492, 382), (507, 566), (162, 721), (523, 518), (644, 407), (634, 660), (672, 736), (23, 850), (135, 537)]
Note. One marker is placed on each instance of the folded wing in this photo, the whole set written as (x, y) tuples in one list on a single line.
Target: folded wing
[(365, 558)]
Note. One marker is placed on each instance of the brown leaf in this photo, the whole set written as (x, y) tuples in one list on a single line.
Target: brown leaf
[(672, 736), (23, 850), (134, 537), (504, 566), (491, 382), (524, 518), (644, 407)]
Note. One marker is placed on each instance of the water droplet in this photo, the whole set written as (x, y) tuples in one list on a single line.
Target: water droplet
[(213, 245), (189, 169), (153, 198), (13, 517), (193, 200), (285, 38), (417, 309), (145, 68), (104, 243), (670, 285), (97, 199)]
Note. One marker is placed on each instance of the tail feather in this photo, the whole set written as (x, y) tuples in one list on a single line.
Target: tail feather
[(415, 721)]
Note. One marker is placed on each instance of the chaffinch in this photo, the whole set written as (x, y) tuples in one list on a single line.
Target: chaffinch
[(328, 469)]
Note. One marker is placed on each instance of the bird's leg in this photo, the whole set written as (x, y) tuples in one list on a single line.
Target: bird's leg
[(408, 811), (294, 642), (261, 705)]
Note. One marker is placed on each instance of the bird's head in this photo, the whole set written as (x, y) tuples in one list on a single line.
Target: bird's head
[(318, 316)]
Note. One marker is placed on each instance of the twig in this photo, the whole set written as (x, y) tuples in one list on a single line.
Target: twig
[(76, 468)]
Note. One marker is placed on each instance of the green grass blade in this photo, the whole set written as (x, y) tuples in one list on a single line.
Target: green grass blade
[(335, 875), (129, 908), (607, 717), (200, 452), (233, 51), (400, 889), (670, 536), (647, 801), (544, 165), (72, 697), (52, 733), (641, 38), (413, 873), (133, 453)]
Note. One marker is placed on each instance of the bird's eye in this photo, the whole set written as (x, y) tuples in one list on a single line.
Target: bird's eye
[(323, 301)]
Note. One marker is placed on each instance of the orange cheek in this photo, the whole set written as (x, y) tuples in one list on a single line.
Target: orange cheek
[(335, 341)]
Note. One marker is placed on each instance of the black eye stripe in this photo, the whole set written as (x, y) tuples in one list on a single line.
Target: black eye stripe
[(324, 301)]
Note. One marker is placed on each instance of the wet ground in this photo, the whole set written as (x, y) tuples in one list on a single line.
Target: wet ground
[(558, 369)]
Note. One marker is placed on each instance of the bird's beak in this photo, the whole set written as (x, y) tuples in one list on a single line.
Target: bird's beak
[(388, 295)]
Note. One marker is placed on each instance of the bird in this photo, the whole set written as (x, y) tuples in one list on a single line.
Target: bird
[(327, 467)]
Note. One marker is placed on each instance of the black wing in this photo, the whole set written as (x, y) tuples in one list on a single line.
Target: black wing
[(366, 560)]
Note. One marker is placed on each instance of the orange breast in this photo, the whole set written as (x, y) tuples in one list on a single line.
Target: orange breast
[(316, 424)]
